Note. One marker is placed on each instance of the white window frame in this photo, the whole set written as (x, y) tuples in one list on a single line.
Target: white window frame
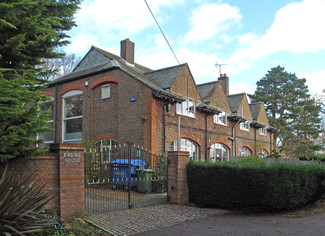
[(262, 131), (244, 151), (224, 152), (189, 146), (69, 94), (245, 125), (262, 153), (106, 86), (217, 118), (105, 146), (184, 108), (51, 99)]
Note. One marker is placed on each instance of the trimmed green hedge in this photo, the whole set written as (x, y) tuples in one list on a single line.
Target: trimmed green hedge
[(254, 186)]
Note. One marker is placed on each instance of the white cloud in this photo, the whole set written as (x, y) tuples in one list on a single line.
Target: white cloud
[(241, 87), (314, 80), (101, 21), (201, 64), (297, 27), (210, 19)]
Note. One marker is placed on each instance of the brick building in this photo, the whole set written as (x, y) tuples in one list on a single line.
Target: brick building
[(110, 97)]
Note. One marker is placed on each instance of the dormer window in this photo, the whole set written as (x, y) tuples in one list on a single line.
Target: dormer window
[(186, 108), (262, 131), (244, 125), (221, 118)]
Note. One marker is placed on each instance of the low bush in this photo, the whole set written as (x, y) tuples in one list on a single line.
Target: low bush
[(254, 186), (22, 203)]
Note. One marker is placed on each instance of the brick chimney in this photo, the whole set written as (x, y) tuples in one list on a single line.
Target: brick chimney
[(127, 50), (225, 83)]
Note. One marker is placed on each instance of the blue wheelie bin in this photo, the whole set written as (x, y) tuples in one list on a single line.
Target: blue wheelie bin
[(120, 171)]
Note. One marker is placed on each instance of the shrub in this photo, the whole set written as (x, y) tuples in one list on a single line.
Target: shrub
[(254, 187), (21, 204)]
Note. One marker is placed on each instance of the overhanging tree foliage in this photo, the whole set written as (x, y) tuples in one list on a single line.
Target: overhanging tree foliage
[(29, 31), (291, 110)]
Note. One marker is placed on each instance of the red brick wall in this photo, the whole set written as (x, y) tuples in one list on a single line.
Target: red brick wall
[(47, 167), (177, 179), (63, 170), (141, 121)]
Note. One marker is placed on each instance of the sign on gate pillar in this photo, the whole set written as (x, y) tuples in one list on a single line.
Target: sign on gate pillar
[(71, 178), (177, 178)]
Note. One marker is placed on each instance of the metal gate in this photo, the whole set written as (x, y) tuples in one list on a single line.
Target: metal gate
[(123, 176)]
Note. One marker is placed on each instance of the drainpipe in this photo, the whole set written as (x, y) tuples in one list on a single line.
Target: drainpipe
[(234, 133), (178, 133), (255, 142), (55, 109), (206, 137), (271, 143), (164, 127)]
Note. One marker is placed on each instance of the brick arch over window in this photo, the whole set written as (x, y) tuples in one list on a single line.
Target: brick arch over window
[(104, 80), (188, 136), (220, 141), (265, 149), (246, 145), (49, 94), (72, 87), (105, 136)]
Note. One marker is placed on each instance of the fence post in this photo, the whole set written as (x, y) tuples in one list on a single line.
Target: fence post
[(177, 191), (71, 178)]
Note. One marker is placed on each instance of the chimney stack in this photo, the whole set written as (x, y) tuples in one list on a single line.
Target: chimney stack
[(127, 50), (225, 83)]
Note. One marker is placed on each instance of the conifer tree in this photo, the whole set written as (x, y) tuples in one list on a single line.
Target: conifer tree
[(29, 31), (291, 110)]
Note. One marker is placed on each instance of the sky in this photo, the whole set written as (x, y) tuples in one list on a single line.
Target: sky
[(248, 36)]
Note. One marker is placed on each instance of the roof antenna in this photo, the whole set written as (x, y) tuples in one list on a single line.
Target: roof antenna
[(219, 66)]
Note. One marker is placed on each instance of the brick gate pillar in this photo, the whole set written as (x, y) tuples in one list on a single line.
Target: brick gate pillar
[(177, 179), (71, 178)]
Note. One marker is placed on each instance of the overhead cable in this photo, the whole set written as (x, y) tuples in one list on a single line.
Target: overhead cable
[(161, 31)]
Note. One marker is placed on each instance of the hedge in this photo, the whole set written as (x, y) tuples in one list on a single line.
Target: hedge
[(254, 186)]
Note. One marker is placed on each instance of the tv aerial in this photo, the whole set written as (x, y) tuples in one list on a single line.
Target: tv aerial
[(219, 65)]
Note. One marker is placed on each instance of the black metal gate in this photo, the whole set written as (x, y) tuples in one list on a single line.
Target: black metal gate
[(123, 176)]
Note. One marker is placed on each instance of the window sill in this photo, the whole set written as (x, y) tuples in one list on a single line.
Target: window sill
[(186, 116), (245, 130), (225, 125)]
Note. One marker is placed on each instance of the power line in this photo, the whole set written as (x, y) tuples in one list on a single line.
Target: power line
[(162, 32)]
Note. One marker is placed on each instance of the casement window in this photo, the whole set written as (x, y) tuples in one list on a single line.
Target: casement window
[(72, 116), (219, 152), (244, 125), (186, 108), (262, 131), (244, 152), (221, 118), (187, 145), (48, 136), (106, 91)]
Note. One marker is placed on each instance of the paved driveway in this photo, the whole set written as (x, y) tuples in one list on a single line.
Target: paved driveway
[(181, 220)]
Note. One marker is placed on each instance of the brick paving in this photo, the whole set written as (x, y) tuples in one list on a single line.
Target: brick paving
[(137, 220)]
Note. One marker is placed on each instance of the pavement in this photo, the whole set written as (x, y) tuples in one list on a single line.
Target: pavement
[(178, 220), (139, 220)]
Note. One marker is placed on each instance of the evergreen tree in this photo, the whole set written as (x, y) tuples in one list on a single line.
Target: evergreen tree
[(291, 110), (29, 31)]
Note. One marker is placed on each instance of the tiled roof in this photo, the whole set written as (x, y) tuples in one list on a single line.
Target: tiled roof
[(235, 101), (166, 76), (255, 109), (206, 90), (110, 61)]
